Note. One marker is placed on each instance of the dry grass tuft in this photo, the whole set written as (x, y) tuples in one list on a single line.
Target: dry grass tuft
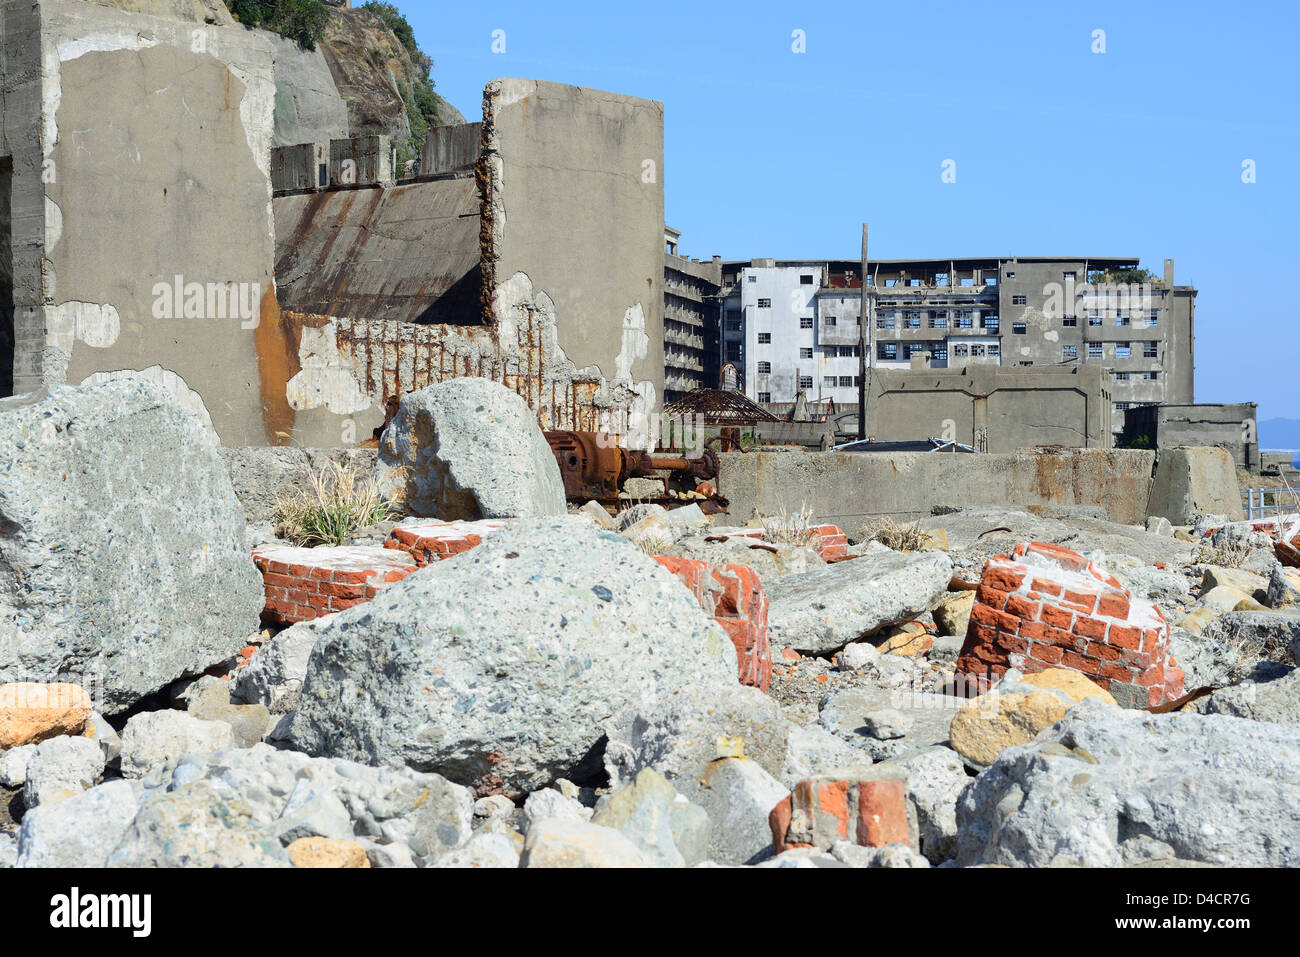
[(339, 502), (896, 535), (786, 529)]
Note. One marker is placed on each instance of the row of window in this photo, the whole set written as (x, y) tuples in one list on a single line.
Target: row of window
[(958, 322), (888, 351), (1123, 350), (1126, 376)]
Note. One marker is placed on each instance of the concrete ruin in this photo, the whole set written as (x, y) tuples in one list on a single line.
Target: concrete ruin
[(992, 408), (142, 232)]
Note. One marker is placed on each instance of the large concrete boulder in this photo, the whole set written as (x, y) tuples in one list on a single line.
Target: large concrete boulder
[(470, 449), (124, 554), (1106, 787), (497, 668), (821, 611), (1191, 481)]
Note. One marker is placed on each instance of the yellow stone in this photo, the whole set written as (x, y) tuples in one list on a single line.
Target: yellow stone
[(1194, 622), (952, 615), (907, 641), (994, 722), (324, 852), (1075, 684), (936, 541), (30, 713)]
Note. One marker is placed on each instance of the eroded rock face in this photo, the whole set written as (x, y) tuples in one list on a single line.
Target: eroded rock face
[(498, 668), (470, 449), (125, 553)]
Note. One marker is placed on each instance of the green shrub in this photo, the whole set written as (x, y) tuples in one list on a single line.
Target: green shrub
[(300, 20)]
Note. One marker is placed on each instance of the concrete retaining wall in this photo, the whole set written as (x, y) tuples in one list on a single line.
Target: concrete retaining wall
[(852, 488)]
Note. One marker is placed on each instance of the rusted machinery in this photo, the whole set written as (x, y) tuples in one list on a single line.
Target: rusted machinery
[(594, 469)]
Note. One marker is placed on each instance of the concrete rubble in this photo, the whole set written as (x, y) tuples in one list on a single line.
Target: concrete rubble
[(549, 686)]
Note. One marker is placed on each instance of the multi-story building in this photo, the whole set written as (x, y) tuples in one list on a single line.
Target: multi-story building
[(690, 320), (794, 325)]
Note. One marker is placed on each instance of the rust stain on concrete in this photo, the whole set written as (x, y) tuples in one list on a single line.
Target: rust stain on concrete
[(277, 363)]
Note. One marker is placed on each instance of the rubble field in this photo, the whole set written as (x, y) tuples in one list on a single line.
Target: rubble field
[(489, 676)]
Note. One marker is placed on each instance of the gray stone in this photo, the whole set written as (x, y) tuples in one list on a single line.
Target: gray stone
[(892, 855), (886, 724), (804, 857), (669, 830), (560, 842), (155, 740), (636, 514), (856, 656), (551, 804), (284, 790), (587, 626), (1281, 592), (79, 832), (1264, 634), (483, 850), (389, 855), (823, 610), (678, 735), (13, 765), (61, 768), (598, 514), (1276, 700), (1203, 523), (738, 795), (1159, 525), (275, 674), (1248, 582), (127, 537), (313, 811), (210, 701), (494, 805), (769, 561), (813, 750), (844, 715), (470, 449), (1213, 788), (8, 849), (105, 735), (1206, 662), (198, 825)]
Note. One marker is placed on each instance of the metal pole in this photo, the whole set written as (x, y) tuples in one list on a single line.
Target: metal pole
[(862, 344)]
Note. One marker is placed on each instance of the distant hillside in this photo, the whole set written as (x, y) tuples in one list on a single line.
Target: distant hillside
[(1279, 434)]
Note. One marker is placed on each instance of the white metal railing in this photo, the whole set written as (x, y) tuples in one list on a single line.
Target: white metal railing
[(1284, 501)]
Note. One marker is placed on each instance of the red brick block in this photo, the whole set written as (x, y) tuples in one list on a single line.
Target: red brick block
[(1058, 617), (435, 541), (1125, 636), (823, 810), (733, 596), (1113, 605), (307, 583), (1023, 608)]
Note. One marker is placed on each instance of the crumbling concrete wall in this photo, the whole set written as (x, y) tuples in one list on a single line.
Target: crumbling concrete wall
[(993, 408), (1189, 482), (158, 241), (851, 488), (572, 181), (22, 230)]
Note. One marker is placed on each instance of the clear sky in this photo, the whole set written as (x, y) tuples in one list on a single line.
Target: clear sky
[(1058, 150)]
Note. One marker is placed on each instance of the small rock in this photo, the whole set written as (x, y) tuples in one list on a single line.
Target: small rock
[(566, 842), (886, 725), (494, 805), (856, 656), (321, 852), (669, 830), (61, 768), (738, 795), (552, 805), (894, 855), (79, 832), (483, 850), (31, 713), (152, 739), (996, 721)]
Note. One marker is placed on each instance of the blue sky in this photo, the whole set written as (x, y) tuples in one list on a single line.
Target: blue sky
[(1136, 151)]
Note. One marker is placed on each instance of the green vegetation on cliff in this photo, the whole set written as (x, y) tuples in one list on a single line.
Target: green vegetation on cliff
[(418, 95), (301, 20)]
